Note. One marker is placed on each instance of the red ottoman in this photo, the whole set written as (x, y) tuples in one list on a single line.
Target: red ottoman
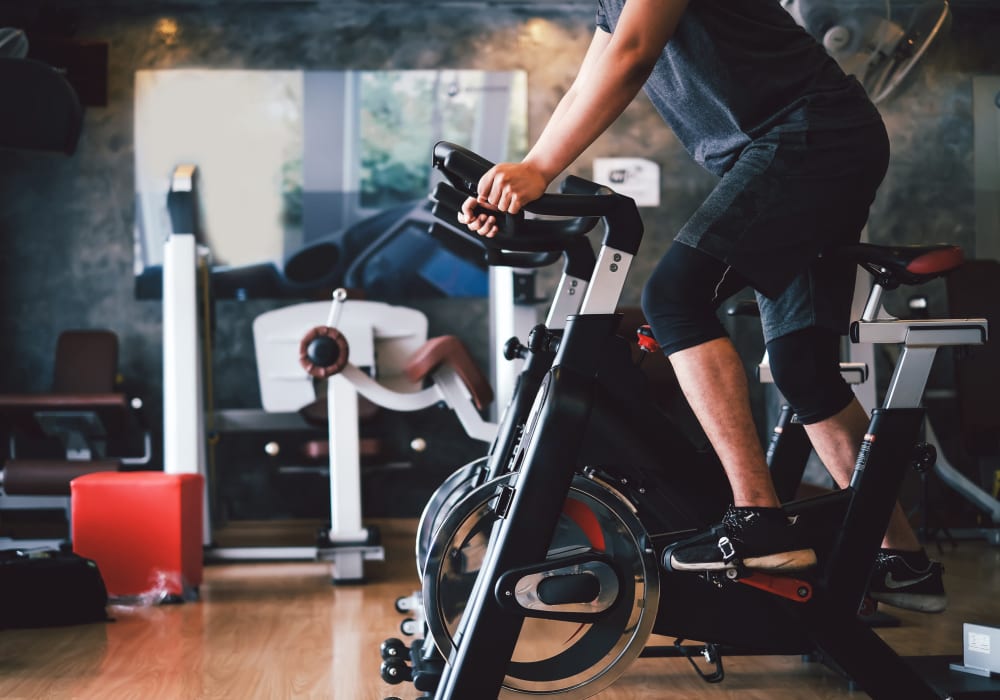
[(143, 529)]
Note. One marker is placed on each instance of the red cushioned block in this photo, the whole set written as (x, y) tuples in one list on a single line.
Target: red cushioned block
[(144, 530)]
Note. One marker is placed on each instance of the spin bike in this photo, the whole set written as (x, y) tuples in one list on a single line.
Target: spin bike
[(537, 354), (578, 265), (557, 591), (578, 259)]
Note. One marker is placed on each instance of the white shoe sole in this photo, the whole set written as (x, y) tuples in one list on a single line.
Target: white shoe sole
[(917, 602), (783, 561)]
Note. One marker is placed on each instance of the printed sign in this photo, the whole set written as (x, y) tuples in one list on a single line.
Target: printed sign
[(637, 178)]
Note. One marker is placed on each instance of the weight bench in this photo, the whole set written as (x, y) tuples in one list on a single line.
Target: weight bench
[(85, 424)]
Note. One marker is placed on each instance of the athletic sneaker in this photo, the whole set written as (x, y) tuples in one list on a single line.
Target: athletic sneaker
[(908, 580), (759, 538)]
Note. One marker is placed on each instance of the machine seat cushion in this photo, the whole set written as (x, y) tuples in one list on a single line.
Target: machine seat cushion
[(448, 349)]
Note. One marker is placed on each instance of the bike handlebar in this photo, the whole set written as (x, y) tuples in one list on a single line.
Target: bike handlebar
[(581, 205)]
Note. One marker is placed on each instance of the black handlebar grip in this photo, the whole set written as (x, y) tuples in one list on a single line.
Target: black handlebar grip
[(462, 167), (578, 185)]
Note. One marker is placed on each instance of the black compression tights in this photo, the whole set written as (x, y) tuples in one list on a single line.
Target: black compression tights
[(680, 301), (806, 369), (682, 295)]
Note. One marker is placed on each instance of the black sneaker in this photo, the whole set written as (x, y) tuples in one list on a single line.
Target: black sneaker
[(908, 580), (759, 538)]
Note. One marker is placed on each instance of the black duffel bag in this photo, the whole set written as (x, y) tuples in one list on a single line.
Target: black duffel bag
[(44, 588)]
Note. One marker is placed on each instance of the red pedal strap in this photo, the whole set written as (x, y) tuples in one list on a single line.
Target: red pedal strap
[(792, 588)]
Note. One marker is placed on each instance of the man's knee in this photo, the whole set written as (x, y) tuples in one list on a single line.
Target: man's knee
[(679, 302), (806, 369)]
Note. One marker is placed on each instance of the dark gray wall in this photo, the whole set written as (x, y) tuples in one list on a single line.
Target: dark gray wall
[(66, 222)]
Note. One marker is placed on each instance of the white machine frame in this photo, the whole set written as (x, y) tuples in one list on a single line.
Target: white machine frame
[(381, 338)]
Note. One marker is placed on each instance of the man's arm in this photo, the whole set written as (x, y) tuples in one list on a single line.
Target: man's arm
[(553, 127), (613, 71)]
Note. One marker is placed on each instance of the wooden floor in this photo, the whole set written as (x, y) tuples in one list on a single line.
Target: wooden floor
[(282, 631)]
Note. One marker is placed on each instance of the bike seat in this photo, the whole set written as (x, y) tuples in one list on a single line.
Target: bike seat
[(896, 265), (449, 350)]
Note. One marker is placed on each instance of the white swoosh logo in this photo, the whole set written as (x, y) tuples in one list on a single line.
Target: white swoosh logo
[(892, 582)]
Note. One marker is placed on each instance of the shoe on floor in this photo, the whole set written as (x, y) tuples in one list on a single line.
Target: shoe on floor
[(759, 538), (908, 580)]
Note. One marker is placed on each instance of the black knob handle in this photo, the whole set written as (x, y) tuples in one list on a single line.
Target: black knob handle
[(538, 338), (513, 350), (323, 351)]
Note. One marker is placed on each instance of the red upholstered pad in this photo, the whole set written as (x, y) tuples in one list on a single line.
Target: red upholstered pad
[(49, 477), (448, 349)]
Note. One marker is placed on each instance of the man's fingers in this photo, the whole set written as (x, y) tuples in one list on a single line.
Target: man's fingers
[(497, 193), (489, 227), (514, 205), (504, 202), (485, 185), (467, 214), (482, 224)]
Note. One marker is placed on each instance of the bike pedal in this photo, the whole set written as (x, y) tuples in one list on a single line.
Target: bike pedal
[(720, 577)]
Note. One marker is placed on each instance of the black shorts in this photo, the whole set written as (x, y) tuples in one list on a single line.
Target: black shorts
[(792, 194)]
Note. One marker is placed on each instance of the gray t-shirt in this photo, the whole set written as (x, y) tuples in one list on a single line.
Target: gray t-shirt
[(734, 69)]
